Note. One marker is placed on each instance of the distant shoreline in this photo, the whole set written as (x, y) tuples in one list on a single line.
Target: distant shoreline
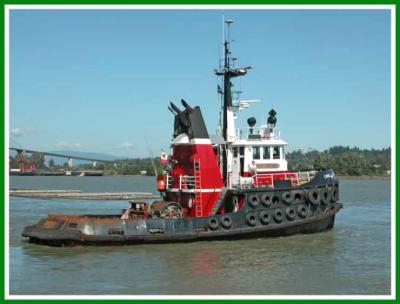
[(360, 177), (363, 177)]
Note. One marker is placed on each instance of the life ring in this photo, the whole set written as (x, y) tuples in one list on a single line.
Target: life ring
[(264, 217), (251, 219), (290, 214), (213, 223), (326, 196), (278, 216), (253, 200), (226, 222), (266, 200), (302, 211), (335, 194), (314, 196), (287, 197)]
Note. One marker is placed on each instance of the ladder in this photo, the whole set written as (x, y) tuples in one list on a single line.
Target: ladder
[(197, 189)]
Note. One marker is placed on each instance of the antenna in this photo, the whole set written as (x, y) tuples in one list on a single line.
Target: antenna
[(228, 22), (228, 72), (223, 40), (151, 157)]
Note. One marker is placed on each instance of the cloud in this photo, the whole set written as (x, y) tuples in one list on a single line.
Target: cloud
[(66, 144), (18, 132), (126, 145)]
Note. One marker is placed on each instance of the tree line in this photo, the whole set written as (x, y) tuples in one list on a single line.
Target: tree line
[(136, 166), (343, 160)]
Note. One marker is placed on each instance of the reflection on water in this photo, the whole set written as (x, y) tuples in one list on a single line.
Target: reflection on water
[(206, 262), (353, 258)]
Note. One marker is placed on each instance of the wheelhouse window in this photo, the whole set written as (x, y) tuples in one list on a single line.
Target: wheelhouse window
[(256, 152), (235, 152), (276, 153), (266, 153)]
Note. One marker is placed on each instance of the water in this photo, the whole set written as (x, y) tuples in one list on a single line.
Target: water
[(353, 258)]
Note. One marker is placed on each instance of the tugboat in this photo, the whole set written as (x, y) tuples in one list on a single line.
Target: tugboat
[(231, 186)]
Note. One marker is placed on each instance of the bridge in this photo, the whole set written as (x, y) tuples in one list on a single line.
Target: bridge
[(29, 166), (23, 150)]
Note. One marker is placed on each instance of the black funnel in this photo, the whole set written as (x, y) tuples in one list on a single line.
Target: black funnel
[(187, 106), (175, 108)]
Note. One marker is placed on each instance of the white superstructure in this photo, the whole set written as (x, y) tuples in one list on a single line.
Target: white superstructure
[(253, 150)]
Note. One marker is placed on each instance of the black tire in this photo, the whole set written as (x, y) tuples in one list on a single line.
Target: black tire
[(266, 200), (302, 211), (264, 217), (314, 196), (253, 200), (251, 219), (298, 196), (290, 214), (213, 223), (335, 194), (275, 200), (278, 216), (287, 197), (226, 222), (326, 196)]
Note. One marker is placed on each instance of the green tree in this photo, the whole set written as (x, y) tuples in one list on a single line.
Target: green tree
[(51, 163), (13, 163), (322, 160), (39, 160)]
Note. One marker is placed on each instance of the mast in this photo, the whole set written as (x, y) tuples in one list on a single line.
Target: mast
[(227, 73)]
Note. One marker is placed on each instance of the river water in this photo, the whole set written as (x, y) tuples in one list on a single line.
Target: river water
[(353, 258)]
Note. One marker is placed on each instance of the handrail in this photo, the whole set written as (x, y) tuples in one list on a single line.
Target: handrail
[(188, 181), (256, 180), (184, 182), (244, 132)]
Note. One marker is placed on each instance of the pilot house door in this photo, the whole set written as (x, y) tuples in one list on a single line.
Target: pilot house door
[(241, 160)]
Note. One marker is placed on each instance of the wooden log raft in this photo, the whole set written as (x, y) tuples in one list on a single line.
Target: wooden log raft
[(77, 194)]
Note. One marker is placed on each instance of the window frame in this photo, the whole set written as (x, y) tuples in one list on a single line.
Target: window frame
[(276, 148), (256, 148)]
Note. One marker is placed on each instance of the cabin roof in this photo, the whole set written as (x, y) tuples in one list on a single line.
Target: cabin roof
[(217, 139), (263, 142)]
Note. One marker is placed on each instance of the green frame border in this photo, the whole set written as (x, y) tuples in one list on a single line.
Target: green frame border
[(190, 2)]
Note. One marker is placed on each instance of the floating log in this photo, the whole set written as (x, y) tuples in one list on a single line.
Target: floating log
[(77, 194), (15, 190)]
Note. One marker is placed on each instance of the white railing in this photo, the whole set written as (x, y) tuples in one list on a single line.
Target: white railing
[(261, 132), (269, 178), (182, 182), (188, 181)]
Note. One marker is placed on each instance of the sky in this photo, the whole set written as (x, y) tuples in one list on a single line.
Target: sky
[(101, 80)]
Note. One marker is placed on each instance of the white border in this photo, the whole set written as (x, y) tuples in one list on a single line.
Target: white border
[(200, 6), (392, 8), (7, 152)]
